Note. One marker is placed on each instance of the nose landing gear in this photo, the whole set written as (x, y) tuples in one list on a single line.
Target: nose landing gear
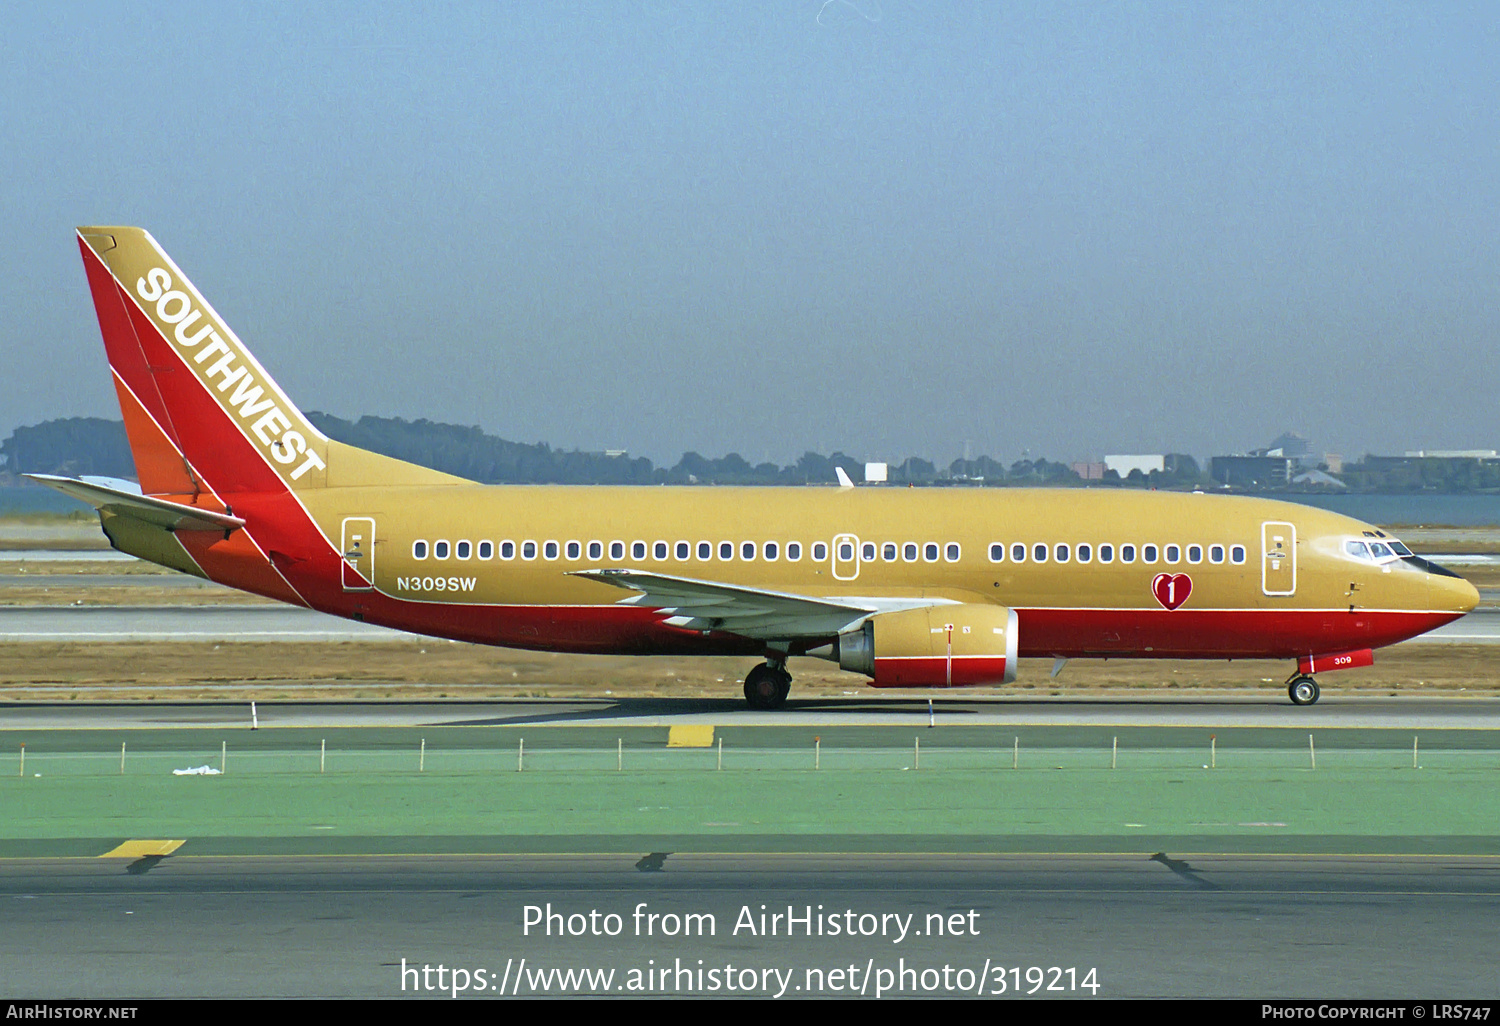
[(767, 686), (1302, 689)]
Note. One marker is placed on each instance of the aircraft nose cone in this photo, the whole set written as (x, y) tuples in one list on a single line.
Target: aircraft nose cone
[(1452, 593)]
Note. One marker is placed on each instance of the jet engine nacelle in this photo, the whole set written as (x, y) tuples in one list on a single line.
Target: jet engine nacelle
[(933, 647)]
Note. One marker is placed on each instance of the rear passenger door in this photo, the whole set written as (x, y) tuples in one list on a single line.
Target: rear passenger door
[(358, 565)]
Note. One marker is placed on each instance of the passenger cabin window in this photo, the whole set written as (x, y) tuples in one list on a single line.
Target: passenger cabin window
[(528, 550), (951, 552), (747, 550), (549, 550), (659, 550), (1216, 553), (793, 551), (1018, 553), (596, 550), (997, 553), (819, 552), (638, 550), (1148, 554), (1173, 553), (1195, 553), (1127, 553), (1085, 553), (846, 551), (1039, 553), (930, 552), (771, 550), (574, 550), (888, 552), (705, 550), (867, 552), (684, 550), (616, 550), (1237, 554), (909, 552), (507, 550), (463, 550), (1060, 553), (419, 550), (1106, 553), (486, 550), (440, 550), (726, 550)]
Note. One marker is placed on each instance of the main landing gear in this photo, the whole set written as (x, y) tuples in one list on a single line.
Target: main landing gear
[(1302, 689), (767, 686)]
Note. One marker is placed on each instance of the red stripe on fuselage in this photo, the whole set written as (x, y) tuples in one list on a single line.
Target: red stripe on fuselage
[(1216, 634), (632, 630)]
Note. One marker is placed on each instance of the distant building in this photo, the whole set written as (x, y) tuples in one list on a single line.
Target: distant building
[(1123, 465), (1293, 446), (1089, 471), (1300, 451), (1252, 471), (1453, 454)]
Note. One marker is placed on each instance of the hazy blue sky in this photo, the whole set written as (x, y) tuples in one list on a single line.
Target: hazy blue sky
[(1073, 228)]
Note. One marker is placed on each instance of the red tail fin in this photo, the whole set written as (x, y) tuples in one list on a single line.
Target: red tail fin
[(200, 411)]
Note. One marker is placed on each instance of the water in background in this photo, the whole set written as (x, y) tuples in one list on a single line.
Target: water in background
[(1426, 509)]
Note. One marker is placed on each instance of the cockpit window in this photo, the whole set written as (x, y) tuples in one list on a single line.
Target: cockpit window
[(1376, 551)]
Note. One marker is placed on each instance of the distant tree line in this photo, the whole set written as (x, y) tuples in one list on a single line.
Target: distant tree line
[(1422, 474), (90, 445), (71, 447)]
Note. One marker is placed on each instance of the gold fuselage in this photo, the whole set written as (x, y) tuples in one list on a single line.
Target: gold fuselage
[(1327, 582)]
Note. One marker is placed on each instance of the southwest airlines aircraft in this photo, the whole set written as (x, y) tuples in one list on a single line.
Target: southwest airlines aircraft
[(910, 587)]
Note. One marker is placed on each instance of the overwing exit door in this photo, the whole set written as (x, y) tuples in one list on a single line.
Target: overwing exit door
[(845, 557)]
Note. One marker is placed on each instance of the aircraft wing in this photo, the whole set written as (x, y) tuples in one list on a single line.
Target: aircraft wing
[(748, 612), (159, 512)]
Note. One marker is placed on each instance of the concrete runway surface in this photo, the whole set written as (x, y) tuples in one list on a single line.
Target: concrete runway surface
[(1161, 924)]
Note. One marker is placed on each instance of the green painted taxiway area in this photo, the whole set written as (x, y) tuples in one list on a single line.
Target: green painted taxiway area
[(844, 789)]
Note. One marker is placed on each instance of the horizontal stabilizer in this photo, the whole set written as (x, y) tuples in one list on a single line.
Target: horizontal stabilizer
[(159, 512)]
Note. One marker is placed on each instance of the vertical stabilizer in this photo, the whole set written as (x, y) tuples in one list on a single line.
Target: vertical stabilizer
[(186, 380), (200, 411)]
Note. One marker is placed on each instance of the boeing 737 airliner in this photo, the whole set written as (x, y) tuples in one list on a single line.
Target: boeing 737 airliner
[(910, 587)]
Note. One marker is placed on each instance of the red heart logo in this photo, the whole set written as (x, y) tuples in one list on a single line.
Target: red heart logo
[(1172, 590)]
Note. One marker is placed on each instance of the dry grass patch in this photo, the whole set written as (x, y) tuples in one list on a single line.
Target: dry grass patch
[(429, 669)]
